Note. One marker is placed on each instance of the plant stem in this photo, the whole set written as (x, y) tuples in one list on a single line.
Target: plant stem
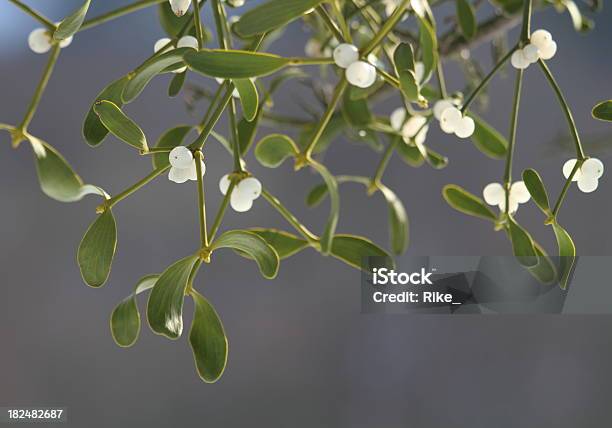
[(512, 139), (34, 14), (385, 29), (137, 186), (221, 213), (566, 187), (526, 28), (310, 61), (214, 117), (213, 102), (331, 108), (201, 199), (384, 161), (44, 80), (198, 24), (486, 79), (329, 22), (566, 110), (441, 80), (134, 7), (276, 204), (346, 31)]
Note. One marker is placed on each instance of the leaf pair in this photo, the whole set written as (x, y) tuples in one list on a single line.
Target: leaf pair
[(403, 58), (350, 249)]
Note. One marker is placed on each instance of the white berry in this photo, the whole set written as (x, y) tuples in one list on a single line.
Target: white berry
[(161, 43), (519, 192), (531, 53), (361, 74), (250, 188), (465, 127), (440, 106), (188, 42), (39, 41), (397, 118), (180, 157), (518, 60), (179, 175), (541, 38), (593, 168), (224, 184), (180, 7), (240, 203), (548, 51), (568, 167), (493, 193), (588, 184), (345, 54), (449, 119), (413, 126)]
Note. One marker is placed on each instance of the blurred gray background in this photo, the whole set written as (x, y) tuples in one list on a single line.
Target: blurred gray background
[(301, 354)]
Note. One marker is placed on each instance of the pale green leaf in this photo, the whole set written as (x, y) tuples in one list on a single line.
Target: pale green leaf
[(465, 202), (120, 125), (253, 245), (249, 98), (398, 221), (332, 221), (97, 249), (272, 150), (165, 305), (603, 111), (234, 64), (71, 24), (522, 244), (272, 15), (467, 18), (354, 250), (487, 139), (284, 243), (536, 189), (94, 131), (567, 255)]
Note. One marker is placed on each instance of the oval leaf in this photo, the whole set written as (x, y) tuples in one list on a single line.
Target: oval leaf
[(487, 139), (97, 249), (253, 245), (465, 202), (120, 125), (603, 111), (536, 188), (56, 177), (567, 255), (273, 149), (429, 48), (332, 221), (356, 111), (522, 244), (398, 221), (71, 24), (176, 84), (545, 270), (207, 340), (149, 69), (125, 319), (233, 64), (165, 305), (249, 98), (354, 250), (316, 195), (94, 131), (284, 243), (271, 15), (171, 138), (467, 18)]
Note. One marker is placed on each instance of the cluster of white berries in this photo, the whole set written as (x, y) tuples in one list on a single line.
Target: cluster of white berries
[(244, 193), (183, 165), (587, 175), (412, 130), (541, 46), (41, 41), (495, 194), (358, 73), (183, 42), (452, 121)]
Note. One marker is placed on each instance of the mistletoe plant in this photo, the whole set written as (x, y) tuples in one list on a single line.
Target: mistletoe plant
[(364, 50)]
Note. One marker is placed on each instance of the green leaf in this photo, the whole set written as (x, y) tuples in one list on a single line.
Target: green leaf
[(581, 22), (545, 271), (435, 159), (465, 202), (467, 18), (170, 139), (120, 125), (332, 221), (536, 188), (125, 319), (207, 340), (71, 24), (165, 305), (352, 250), (56, 177), (409, 154), (316, 195), (151, 68), (398, 221), (172, 24), (284, 243), (249, 98), (429, 48), (567, 255), (487, 139), (356, 112), (94, 131), (522, 244), (233, 64), (403, 58), (97, 249), (272, 15), (603, 111), (247, 131), (253, 245), (176, 84), (272, 150)]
